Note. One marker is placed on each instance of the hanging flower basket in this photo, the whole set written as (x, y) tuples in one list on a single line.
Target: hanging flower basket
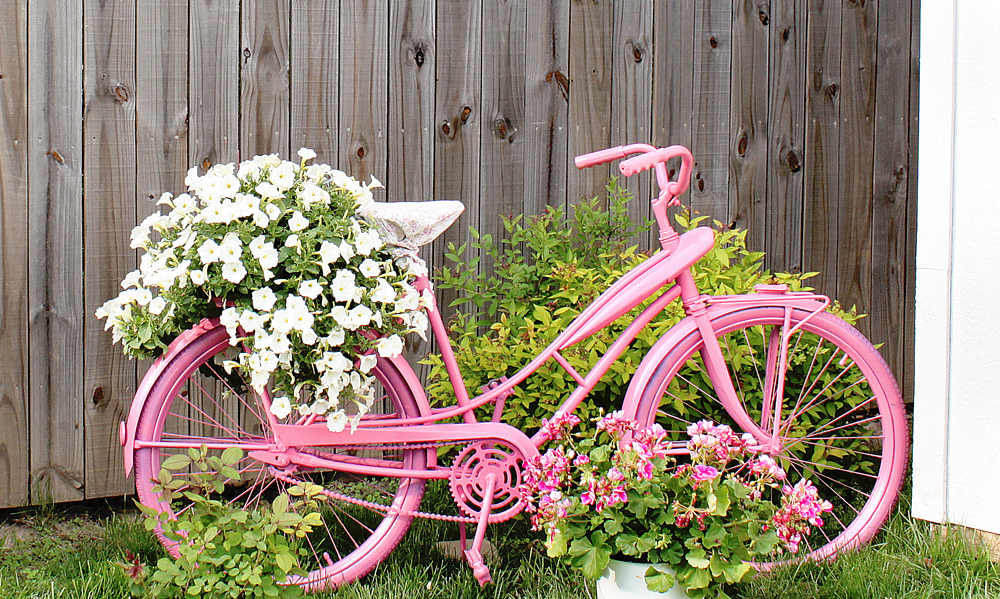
[(308, 290)]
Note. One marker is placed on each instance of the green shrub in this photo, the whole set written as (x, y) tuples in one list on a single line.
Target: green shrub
[(546, 270), (225, 551)]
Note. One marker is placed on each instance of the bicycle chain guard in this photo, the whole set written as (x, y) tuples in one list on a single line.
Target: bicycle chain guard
[(468, 479)]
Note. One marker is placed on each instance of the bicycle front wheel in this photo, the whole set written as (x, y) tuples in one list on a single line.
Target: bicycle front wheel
[(840, 423), (194, 402)]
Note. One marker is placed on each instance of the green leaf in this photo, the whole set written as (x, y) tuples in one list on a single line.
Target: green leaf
[(232, 455), (176, 462), (659, 579), (590, 559), (698, 559), (285, 561)]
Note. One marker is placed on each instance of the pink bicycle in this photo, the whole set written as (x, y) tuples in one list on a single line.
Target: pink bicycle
[(776, 364)]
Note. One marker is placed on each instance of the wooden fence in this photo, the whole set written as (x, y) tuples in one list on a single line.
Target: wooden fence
[(800, 114)]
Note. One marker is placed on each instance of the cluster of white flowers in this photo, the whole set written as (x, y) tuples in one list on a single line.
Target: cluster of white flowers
[(301, 282)]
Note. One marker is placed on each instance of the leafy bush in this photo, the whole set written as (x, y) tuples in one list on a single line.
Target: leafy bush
[(546, 270), (225, 551)]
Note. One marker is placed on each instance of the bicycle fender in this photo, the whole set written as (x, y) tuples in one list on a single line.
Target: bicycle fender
[(127, 428), (720, 306)]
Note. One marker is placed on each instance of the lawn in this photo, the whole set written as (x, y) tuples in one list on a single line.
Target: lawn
[(72, 552)]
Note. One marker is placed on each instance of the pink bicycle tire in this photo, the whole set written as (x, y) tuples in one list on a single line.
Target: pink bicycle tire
[(180, 380), (882, 413)]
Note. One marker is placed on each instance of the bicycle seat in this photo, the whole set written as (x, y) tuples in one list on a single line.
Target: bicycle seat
[(410, 225)]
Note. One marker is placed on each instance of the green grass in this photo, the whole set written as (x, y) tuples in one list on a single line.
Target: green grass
[(69, 555)]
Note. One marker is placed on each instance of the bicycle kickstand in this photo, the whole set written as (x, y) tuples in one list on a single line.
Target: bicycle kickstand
[(473, 556)]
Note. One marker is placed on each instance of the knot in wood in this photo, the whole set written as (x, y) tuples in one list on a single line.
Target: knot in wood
[(418, 56), (793, 161), (466, 113), (121, 94), (764, 20), (713, 41)]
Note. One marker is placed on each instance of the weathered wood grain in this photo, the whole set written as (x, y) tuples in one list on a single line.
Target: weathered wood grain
[(891, 182), (264, 93), (710, 116), (412, 65), (501, 155), (457, 130), (749, 119), (821, 166), (161, 100), (591, 23), (632, 99), (14, 464), (54, 241), (213, 85), (857, 130), (673, 75), (783, 233), (905, 371), (546, 105), (315, 73), (109, 187), (364, 88)]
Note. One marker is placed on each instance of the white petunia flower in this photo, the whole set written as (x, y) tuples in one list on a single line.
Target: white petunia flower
[(366, 363), (268, 361), (141, 296), (231, 248), (309, 337), (306, 154), (256, 246), (283, 321), (131, 279), (383, 292), (343, 286), (268, 256), (209, 252), (260, 219), (369, 268), (315, 172), (234, 272), (263, 299), (336, 422), (280, 343), (248, 169), (199, 276), (282, 176), (390, 347), (157, 305), (292, 241), (346, 250), (281, 407), (336, 336), (359, 316), (298, 222), (230, 319), (314, 194), (269, 191), (310, 288), (250, 321)]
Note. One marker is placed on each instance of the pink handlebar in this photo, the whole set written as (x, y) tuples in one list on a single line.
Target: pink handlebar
[(600, 157), (650, 159)]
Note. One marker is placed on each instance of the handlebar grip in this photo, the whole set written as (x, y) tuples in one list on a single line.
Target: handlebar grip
[(640, 163), (600, 157), (650, 159)]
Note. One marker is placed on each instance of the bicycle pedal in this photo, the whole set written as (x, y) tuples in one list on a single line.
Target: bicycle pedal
[(479, 569)]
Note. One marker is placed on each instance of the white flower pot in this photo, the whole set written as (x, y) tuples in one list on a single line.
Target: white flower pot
[(626, 580)]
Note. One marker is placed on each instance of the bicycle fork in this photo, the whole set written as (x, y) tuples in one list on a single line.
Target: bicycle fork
[(767, 431)]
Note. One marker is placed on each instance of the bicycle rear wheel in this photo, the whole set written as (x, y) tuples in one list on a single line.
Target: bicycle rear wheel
[(842, 424), (194, 402)]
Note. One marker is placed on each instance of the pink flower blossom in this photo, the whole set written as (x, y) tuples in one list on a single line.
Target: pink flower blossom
[(616, 424), (702, 473), (559, 426)]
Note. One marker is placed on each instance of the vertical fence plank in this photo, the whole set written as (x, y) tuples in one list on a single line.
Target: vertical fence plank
[(710, 119), (14, 464), (891, 182), (214, 82), (673, 74), (905, 371), (264, 93), (457, 110), (501, 157), (55, 280), (109, 197), (632, 97), (161, 100), (412, 62), (857, 130), (821, 167), (783, 234), (546, 161), (315, 65), (749, 118), (364, 98), (591, 26)]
